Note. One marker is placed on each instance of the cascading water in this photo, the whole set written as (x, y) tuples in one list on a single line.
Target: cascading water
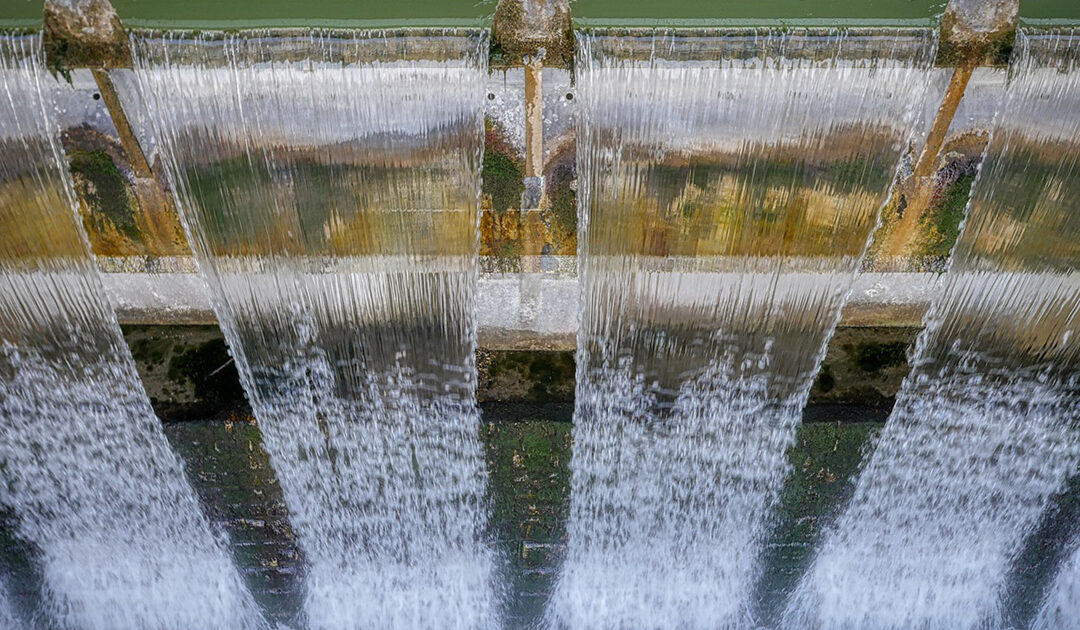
[(1061, 610), (987, 425), (330, 188), (8, 620), (87, 471), (728, 188)]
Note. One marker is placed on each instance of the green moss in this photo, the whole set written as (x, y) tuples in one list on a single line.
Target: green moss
[(993, 49), (529, 489), (563, 200), (150, 352), (513, 39), (503, 180), (824, 460), (103, 188), (56, 58), (231, 472), (941, 225)]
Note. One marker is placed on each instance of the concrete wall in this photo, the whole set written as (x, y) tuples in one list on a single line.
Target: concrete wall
[(528, 289)]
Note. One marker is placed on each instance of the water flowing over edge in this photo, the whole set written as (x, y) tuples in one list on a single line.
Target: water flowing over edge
[(692, 376), (118, 531), (984, 430), (330, 187)]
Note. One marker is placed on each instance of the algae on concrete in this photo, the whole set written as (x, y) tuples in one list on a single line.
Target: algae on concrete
[(529, 488), (232, 474), (101, 186), (824, 461)]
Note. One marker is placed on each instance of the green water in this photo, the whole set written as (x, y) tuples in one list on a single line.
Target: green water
[(602, 13), (20, 13), (228, 14), (278, 13), (1049, 12)]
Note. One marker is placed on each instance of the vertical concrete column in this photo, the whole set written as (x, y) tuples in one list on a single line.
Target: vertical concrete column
[(534, 33)]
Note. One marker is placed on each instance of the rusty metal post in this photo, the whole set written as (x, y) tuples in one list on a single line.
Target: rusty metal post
[(534, 118), (534, 134), (973, 33), (532, 34), (945, 114)]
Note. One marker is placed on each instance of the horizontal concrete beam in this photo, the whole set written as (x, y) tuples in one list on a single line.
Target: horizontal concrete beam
[(527, 311)]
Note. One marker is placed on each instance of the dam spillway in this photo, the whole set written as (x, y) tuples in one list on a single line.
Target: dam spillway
[(91, 478), (703, 323), (556, 328), (356, 344)]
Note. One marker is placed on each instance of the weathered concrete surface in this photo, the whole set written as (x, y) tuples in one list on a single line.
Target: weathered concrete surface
[(532, 28), (864, 365), (892, 299), (978, 32), (527, 311), (529, 162), (527, 332), (84, 34)]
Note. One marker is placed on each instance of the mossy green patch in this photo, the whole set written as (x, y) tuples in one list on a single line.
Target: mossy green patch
[(503, 180), (563, 199), (992, 49), (825, 380), (941, 224), (542, 375), (529, 486), (824, 460), (103, 188), (231, 472), (150, 352)]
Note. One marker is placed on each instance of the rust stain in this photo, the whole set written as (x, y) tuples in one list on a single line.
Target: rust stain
[(918, 190)]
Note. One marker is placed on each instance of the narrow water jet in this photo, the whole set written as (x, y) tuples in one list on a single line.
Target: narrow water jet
[(329, 184), (728, 187), (1061, 609), (987, 425), (86, 469)]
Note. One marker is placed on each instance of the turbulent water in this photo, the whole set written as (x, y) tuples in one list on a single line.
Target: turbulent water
[(8, 620), (330, 188), (728, 188), (1061, 610), (118, 532), (987, 426)]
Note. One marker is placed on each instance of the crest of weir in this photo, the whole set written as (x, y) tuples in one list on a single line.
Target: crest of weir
[(729, 185), (329, 186), (986, 426), (120, 536)]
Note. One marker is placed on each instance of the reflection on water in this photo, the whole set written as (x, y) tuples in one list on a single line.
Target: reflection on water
[(88, 474), (329, 185), (728, 188), (985, 429)]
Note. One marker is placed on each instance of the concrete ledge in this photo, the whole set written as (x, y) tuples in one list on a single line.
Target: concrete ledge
[(528, 311)]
